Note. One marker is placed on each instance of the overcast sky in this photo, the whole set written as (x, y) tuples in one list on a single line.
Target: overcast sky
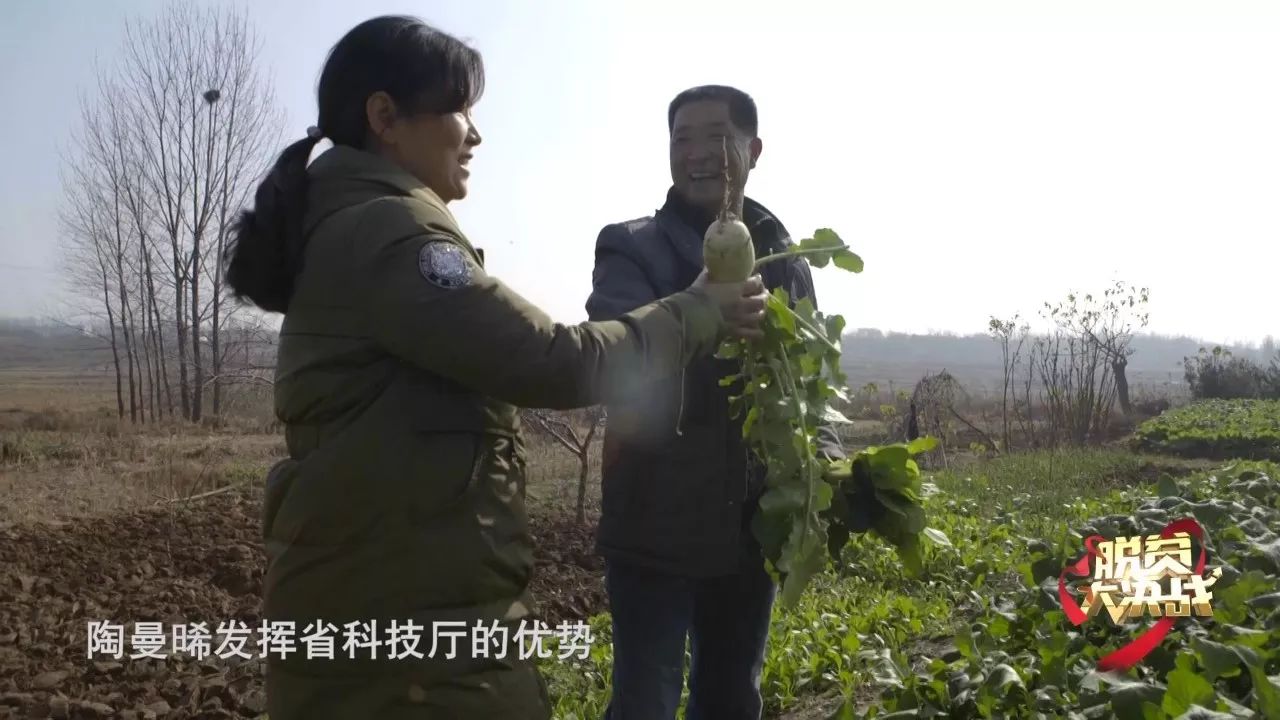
[(982, 157)]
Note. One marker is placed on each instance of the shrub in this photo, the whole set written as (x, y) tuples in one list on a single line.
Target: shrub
[(1217, 374)]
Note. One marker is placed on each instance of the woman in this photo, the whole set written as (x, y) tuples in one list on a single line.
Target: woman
[(401, 365)]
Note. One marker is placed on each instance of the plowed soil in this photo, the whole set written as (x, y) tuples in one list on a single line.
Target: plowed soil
[(202, 563)]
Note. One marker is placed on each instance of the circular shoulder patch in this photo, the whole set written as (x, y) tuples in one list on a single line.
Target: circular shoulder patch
[(444, 264)]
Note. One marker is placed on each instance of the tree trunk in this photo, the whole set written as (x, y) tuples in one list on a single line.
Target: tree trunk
[(115, 353), (158, 340), (1118, 366), (584, 474), (111, 324), (149, 380), (1006, 385), (157, 332), (197, 384), (127, 332), (128, 339), (216, 350), (180, 294), (198, 220), (218, 289)]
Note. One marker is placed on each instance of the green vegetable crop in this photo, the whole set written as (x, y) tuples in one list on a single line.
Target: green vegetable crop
[(1241, 428)]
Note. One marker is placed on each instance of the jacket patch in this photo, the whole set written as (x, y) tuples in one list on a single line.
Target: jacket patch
[(444, 265)]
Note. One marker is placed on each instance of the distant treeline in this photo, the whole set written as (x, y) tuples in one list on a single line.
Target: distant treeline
[(1152, 354), (32, 342)]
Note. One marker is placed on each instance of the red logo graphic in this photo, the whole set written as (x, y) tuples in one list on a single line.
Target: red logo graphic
[(1140, 585)]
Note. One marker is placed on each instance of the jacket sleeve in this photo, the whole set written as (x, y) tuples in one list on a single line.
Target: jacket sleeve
[(618, 281), (828, 439), (429, 302)]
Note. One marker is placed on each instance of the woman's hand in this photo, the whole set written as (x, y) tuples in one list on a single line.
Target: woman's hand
[(741, 304)]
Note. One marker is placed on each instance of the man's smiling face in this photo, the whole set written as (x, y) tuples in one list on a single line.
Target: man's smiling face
[(699, 134)]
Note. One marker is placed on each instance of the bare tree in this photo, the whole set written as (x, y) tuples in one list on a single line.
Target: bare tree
[(107, 151), (137, 204), (1108, 323), (1078, 387), (88, 267), (1076, 371), (249, 123), (202, 114), (1011, 336), (1023, 408), (574, 431), (170, 142), (99, 238)]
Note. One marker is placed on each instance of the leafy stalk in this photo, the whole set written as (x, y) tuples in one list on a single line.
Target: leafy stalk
[(724, 202), (785, 254), (809, 507)]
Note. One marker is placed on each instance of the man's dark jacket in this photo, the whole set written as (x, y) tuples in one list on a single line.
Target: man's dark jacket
[(681, 502)]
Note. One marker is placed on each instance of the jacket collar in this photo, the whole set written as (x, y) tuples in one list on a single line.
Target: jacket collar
[(343, 176), (684, 227)]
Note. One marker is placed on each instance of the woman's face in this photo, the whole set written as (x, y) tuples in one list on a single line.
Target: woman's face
[(434, 148)]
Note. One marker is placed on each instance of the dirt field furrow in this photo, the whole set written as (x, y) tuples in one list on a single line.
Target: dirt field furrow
[(177, 566)]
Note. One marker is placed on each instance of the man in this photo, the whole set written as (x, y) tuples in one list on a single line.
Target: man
[(679, 484)]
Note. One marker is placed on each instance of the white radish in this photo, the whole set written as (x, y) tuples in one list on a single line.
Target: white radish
[(727, 248), (727, 251)]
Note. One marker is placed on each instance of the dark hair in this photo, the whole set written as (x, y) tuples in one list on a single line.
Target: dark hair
[(742, 109), (421, 68)]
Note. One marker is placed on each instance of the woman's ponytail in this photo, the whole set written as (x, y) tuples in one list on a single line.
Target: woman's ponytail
[(265, 253)]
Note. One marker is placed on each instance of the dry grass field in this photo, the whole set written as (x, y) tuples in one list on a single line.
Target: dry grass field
[(64, 453)]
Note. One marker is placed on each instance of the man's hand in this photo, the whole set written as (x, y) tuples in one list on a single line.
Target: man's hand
[(741, 304)]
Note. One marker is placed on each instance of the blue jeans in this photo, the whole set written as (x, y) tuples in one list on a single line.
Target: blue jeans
[(727, 621)]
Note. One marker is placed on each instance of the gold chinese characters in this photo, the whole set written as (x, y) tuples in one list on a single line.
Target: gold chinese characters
[(1148, 575)]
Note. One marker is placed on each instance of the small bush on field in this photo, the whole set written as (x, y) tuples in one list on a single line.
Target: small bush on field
[(86, 421), (49, 419), (1151, 407), (63, 448), (1217, 374), (1217, 429)]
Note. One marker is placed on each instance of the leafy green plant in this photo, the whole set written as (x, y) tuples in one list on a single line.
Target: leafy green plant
[(879, 489), (788, 380)]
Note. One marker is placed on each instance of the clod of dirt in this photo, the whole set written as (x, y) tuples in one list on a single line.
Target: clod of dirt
[(18, 700), (49, 680), (91, 710)]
